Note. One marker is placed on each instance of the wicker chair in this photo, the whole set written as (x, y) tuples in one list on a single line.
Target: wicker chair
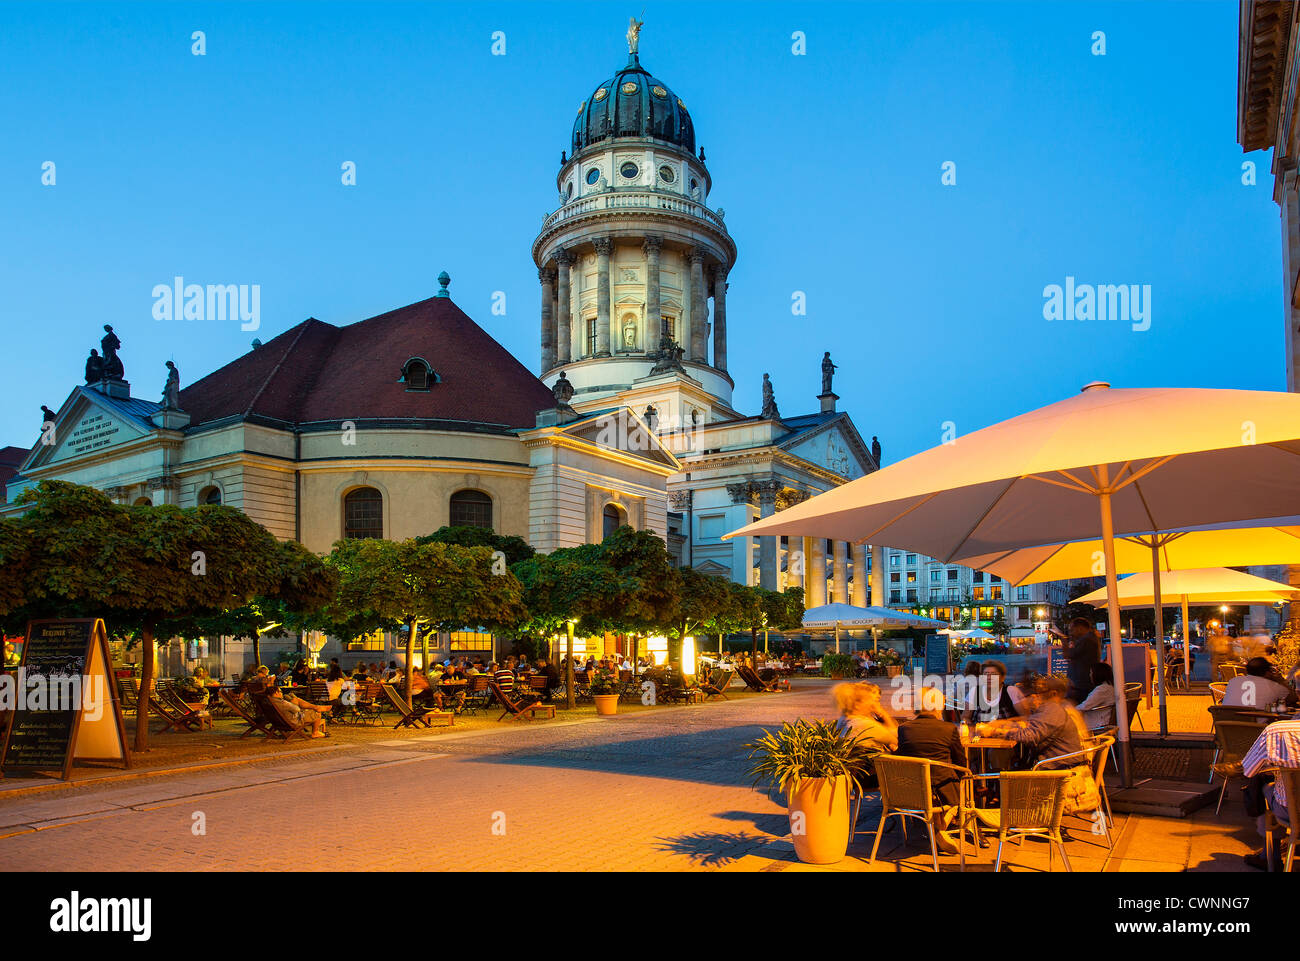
[(1217, 688), (1292, 777), (906, 791), (1094, 754), (1232, 741), (1032, 805)]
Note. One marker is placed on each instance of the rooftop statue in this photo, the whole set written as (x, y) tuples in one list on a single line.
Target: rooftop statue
[(94, 367), (828, 371), (634, 33), (563, 391), (769, 400), (172, 389), (110, 345)]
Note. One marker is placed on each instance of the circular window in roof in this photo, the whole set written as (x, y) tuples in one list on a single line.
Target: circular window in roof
[(666, 174), (629, 170), (629, 87), (659, 92), (600, 94), (593, 175)]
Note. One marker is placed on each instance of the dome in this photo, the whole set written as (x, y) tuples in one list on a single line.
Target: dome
[(633, 104)]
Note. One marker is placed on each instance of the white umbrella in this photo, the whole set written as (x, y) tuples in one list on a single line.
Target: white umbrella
[(1099, 464), (835, 616)]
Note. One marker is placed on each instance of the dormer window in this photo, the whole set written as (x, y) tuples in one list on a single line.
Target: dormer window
[(418, 375)]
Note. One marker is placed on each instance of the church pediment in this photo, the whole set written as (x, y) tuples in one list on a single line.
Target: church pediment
[(835, 446), (622, 431), (87, 424)]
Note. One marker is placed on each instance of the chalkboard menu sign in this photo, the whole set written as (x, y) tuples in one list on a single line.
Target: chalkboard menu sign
[(1058, 665), (936, 653), (66, 705)]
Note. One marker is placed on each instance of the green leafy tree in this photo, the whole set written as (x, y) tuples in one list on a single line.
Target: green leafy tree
[(140, 567), (429, 587), (514, 548)]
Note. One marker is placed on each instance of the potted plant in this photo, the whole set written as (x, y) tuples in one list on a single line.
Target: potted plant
[(604, 691), (890, 660), (838, 666), (815, 764)]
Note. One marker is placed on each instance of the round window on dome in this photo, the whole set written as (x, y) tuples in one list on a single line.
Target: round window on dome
[(666, 174), (593, 175), (694, 184), (600, 94), (629, 170), (659, 92), (629, 87), (568, 194)]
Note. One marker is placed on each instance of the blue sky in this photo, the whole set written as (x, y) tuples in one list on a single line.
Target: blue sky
[(225, 168)]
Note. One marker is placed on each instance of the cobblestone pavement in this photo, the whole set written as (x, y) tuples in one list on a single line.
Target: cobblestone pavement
[(656, 791)]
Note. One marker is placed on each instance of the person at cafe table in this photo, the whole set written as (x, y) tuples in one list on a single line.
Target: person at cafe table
[(930, 737), (1052, 730), (1260, 687)]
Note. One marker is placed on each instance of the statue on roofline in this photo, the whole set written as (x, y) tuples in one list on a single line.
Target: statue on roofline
[(634, 34)]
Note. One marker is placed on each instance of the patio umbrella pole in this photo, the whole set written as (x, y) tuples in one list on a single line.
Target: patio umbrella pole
[(1124, 754), (1160, 635), (1187, 648), (837, 637)]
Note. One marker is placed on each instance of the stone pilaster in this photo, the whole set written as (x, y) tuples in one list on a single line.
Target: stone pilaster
[(814, 549), (654, 325), (720, 317), (699, 345), (548, 320), (878, 596), (564, 333), (604, 247)]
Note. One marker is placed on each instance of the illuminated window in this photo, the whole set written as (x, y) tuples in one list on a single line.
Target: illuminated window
[(995, 592), (471, 509), (471, 640), (979, 593), (368, 642), (363, 513), (911, 577)]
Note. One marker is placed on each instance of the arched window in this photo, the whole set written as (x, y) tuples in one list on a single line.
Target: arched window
[(471, 509), (613, 518), (143, 502), (210, 495), (363, 513)]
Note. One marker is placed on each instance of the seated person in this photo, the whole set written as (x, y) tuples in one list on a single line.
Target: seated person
[(334, 682), (868, 723), (1052, 730), (299, 676), (391, 671), (297, 711), (548, 671), (1278, 745), (999, 699), (505, 679), (969, 691), (929, 736), (359, 672), (1098, 708), (1260, 687)]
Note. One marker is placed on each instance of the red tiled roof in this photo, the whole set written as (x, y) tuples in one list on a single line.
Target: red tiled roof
[(318, 372)]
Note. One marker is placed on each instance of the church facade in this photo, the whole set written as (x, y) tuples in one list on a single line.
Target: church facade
[(399, 424)]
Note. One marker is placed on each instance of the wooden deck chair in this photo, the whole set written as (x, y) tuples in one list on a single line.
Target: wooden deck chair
[(128, 692), (255, 724), (524, 707), (717, 683), (277, 725), (176, 714), (414, 716), (756, 683)]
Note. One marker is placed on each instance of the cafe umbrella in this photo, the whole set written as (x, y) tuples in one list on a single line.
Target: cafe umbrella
[(1096, 465), (833, 617), (1270, 541)]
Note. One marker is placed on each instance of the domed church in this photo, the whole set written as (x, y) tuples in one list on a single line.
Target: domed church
[(628, 420)]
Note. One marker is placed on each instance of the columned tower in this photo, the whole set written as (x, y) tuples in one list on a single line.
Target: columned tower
[(631, 259)]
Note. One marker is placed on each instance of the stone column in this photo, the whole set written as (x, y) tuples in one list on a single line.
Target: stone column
[(699, 345), (859, 592), (814, 549), (743, 493), (548, 321), (603, 249), (654, 325), (720, 317), (878, 596), (840, 575), (564, 333), (767, 546), (793, 575)]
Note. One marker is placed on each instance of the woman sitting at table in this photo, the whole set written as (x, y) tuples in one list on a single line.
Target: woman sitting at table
[(299, 676), (1050, 731), (866, 720), (1098, 708)]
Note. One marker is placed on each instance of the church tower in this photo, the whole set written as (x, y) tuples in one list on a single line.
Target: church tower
[(632, 257)]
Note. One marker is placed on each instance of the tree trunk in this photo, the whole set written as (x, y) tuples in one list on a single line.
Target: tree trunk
[(410, 659), (753, 646), (257, 649), (569, 698), (146, 682)]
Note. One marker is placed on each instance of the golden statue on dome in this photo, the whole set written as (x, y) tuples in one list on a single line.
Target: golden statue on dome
[(634, 33)]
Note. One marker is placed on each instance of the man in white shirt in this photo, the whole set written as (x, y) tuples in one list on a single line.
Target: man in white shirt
[(1259, 687), (1278, 745)]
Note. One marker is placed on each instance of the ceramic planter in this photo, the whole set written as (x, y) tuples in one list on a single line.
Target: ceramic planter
[(606, 704), (819, 819)]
